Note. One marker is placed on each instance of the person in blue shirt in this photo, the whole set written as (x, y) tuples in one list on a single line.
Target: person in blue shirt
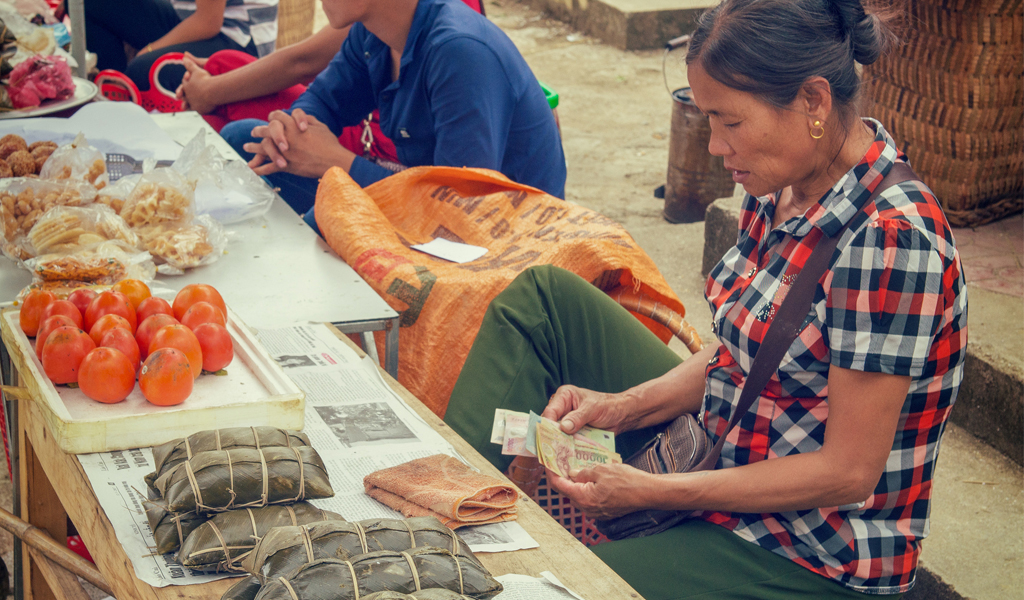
[(451, 89)]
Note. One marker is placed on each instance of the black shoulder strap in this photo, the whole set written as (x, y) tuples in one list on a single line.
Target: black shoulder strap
[(789, 319)]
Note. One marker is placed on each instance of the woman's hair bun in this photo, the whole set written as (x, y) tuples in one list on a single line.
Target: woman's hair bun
[(869, 36)]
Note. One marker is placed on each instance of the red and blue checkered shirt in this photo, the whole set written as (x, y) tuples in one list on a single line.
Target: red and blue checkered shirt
[(893, 301)]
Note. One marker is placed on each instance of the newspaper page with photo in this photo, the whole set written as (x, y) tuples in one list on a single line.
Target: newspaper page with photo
[(353, 419)]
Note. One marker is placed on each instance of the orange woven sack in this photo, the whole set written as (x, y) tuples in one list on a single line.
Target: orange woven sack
[(442, 303)]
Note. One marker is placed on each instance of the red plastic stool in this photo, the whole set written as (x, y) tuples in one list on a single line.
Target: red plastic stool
[(115, 85)]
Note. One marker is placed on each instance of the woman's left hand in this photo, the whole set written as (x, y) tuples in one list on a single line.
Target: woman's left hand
[(604, 491)]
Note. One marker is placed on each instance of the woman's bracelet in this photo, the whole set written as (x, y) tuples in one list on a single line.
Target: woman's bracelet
[(148, 48)]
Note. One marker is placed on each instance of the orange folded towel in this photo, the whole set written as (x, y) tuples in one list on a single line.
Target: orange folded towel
[(444, 487)]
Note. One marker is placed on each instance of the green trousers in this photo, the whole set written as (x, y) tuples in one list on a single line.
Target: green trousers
[(549, 328)]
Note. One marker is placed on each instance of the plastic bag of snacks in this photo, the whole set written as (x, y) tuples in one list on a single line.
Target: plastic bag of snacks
[(78, 161), (23, 201), (71, 228), (184, 245), (116, 194), (18, 158), (102, 263), (161, 196)]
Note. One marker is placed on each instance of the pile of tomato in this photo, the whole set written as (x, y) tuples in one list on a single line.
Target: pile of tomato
[(104, 341)]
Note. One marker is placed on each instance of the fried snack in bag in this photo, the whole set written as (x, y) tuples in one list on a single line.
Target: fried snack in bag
[(23, 202), (184, 245), (77, 161), (406, 572), (228, 537), (284, 549), (161, 196), (116, 194), (221, 480), (102, 263), (170, 454), (71, 228)]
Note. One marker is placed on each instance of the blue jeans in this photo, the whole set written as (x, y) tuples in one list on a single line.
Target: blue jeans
[(298, 192)]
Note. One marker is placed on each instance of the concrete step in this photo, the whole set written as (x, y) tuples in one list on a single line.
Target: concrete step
[(975, 549), (628, 24)]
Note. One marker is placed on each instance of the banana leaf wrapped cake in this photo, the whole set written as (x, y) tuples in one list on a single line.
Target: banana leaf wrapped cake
[(428, 594), (169, 528), (220, 480), (173, 453), (247, 588), (222, 542), (405, 572), (285, 549)]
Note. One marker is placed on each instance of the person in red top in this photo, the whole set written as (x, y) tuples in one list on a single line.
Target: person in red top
[(231, 86)]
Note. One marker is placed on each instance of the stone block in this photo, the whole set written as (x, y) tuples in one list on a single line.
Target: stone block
[(721, 225)]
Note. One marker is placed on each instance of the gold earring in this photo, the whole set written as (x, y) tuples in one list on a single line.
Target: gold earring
[(818, 125)]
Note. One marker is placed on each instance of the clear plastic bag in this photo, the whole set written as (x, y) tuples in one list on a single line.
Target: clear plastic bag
[(116, 194), (226, 190), (78, 161), (102, 263), (161, 196), (23, 202), (184, 245), (70, 228)]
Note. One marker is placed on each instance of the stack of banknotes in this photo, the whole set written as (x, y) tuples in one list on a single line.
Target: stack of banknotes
[(522, 434)]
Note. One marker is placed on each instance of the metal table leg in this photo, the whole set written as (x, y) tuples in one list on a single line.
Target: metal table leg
[(390, 328), (76, 11)]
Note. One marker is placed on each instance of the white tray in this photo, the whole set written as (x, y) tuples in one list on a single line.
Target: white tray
[(255, 392)]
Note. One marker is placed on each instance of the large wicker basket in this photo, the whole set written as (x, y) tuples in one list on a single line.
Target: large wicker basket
[(294, 21), (953, 98)]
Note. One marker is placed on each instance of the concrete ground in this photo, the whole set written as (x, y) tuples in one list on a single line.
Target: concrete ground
[(615, 115)]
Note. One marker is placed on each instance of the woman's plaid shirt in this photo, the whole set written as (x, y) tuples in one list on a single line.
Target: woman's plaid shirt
[(892, 301)]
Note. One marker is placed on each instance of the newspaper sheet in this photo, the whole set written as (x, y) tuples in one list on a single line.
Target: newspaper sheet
[(353, 419), (524, 587)]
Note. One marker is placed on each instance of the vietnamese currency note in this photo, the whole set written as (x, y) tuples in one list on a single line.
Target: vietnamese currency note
[(514, 439), (562, 452)]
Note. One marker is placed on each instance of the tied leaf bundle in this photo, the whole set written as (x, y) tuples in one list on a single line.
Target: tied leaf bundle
[(173, 453), (428, 594), (285, 549), (217, 481), (222, 542), (405, 572), (168, 528)]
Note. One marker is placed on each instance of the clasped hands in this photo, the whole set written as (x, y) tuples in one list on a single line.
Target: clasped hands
[(296, 143), (602, 491)]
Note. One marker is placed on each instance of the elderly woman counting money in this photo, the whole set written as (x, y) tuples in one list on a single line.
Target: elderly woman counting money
[(822, 487)]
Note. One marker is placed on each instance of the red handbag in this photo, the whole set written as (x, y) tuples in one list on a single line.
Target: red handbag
[(115, 85)]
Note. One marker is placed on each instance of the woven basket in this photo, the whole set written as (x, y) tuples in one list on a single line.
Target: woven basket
[(567, 515), (294, 21), (953, 98)]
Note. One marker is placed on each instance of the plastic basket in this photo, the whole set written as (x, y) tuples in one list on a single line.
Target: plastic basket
[(567, 515), (550, 94)]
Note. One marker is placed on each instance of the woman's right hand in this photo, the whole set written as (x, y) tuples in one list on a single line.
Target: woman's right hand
[(195, 86), (573, 407)]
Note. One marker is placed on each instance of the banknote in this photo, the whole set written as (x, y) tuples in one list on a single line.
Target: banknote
[(555, 449), (498, 427), (562, 452), (514, 441)]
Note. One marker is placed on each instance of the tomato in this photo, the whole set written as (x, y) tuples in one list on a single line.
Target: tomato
[(47, 328), (61, 307), (197, 292), (106, 375), (110, 302), (166, 377), (181, 338), (148, 328), (81, 298), (135, 290), (31, 307), (63, 352), (215, 342), (202, 312), (121, 339), (105, 324), (151, 306)]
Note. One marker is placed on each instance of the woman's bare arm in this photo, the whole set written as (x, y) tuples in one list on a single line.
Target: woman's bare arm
[(864, 412), (298, 63)]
